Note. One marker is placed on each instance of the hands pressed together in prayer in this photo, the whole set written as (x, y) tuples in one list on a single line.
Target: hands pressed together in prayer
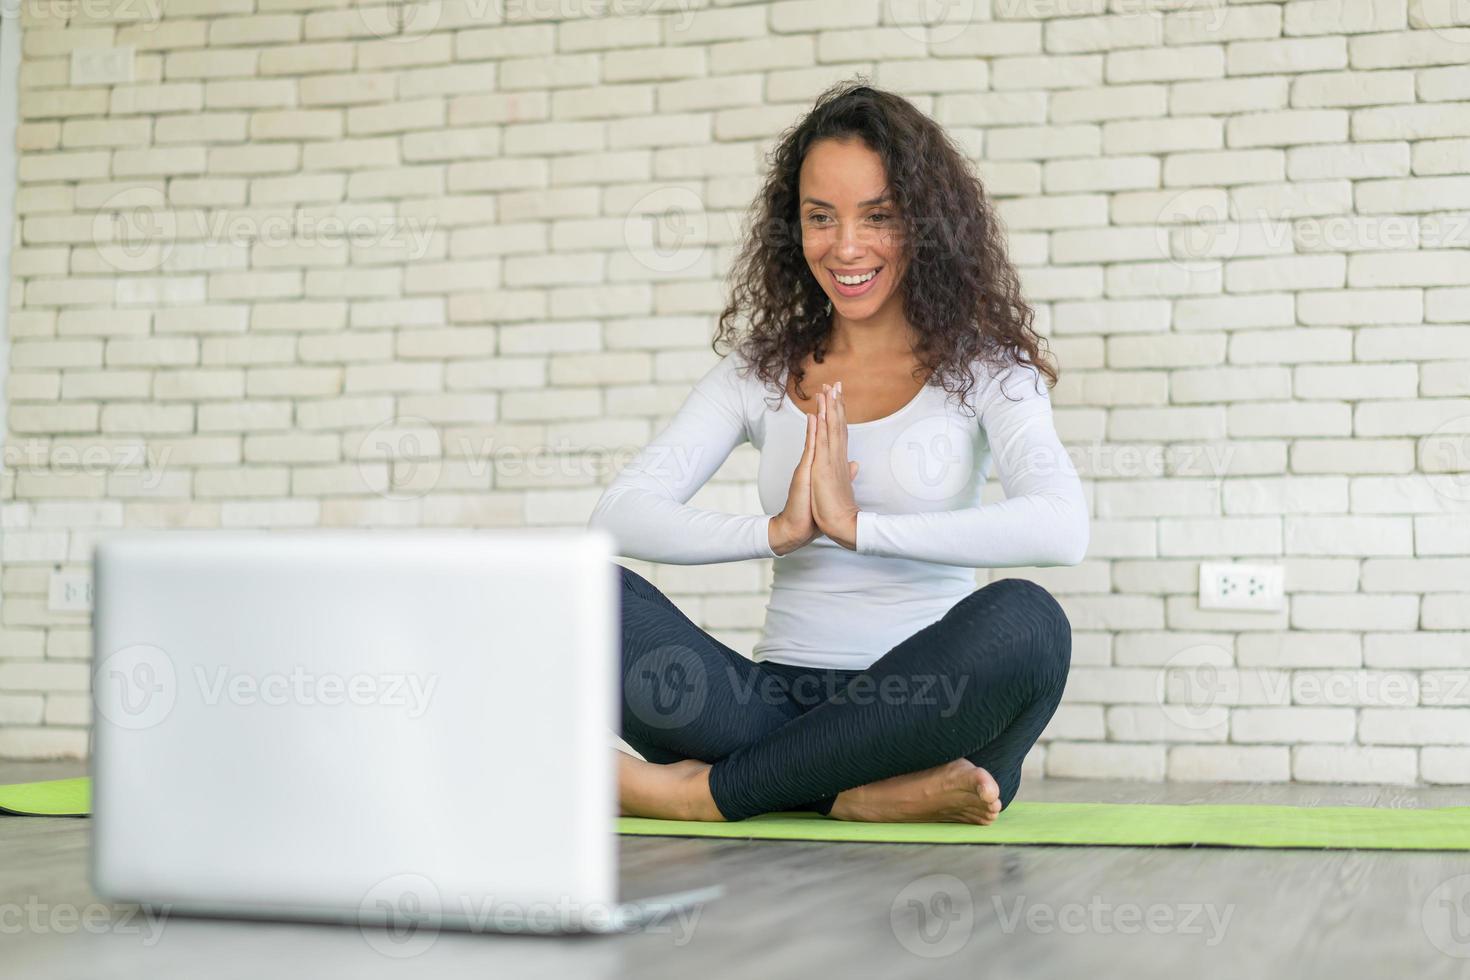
[(820, 500)]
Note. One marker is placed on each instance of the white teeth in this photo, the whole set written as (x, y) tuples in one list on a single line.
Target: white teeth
[(855, 280)]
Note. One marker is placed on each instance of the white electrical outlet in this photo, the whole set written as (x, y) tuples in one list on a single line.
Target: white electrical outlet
[(70, 591), (1232, 585), (101, 66)]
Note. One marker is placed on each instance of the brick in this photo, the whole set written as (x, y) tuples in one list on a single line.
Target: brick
[(1287, 128), (1193, 25), (1228, 96), (1209, 537), (792, 16), (1443, 765), (1230, 763), (1043, 142), (1230, 384), (1353, 88), (1108, 174), (1106, 761), (1299, 649), (1292, 725), (1138, 723), (1162, 135), (1269, 56), (1353, 764), (1343, 16), (1192, 61)]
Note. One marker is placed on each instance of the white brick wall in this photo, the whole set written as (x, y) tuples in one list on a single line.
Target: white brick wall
[(304, 234)]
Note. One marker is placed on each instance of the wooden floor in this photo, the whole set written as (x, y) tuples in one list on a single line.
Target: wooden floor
[(843, 910)]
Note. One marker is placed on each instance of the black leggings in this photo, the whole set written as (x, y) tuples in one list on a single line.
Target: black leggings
[(980, 682)]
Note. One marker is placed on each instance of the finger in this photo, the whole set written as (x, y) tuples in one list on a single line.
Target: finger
[(852, 469), (814, 435), (809, 446), (803, 472), (842, 430), (822, 431), (833, 433)]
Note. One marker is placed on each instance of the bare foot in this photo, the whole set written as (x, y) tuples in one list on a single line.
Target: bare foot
[(955, 792), (677, 791)]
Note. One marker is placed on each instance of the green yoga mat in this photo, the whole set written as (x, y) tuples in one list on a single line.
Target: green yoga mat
[(1117, 824), (52, 798), (1120, 824)]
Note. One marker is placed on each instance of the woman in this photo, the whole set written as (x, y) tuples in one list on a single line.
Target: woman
[(885, 686)]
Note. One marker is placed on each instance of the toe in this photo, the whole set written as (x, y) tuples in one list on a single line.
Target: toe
[(989, 789)]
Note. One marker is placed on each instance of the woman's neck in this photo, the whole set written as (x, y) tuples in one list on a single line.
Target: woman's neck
[(872, 340)]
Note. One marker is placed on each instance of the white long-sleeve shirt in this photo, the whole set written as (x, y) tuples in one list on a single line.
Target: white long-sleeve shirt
[(921, 529)]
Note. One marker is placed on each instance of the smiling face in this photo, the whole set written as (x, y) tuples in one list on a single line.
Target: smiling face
[(850, 228)]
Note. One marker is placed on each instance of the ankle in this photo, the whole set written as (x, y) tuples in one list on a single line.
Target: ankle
[(847, 805), (699, 803)]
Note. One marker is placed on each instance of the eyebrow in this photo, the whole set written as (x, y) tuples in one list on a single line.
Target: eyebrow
[(861, 204)]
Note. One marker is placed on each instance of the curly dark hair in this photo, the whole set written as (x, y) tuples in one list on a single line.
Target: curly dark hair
[(961, 293)]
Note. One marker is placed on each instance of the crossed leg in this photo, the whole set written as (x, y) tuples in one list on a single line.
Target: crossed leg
[(687, 696), (971, 691)]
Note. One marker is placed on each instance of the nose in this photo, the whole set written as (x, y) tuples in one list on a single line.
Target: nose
[(850, 244)]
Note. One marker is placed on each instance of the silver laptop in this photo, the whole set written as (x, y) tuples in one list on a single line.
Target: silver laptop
[(399, 729)]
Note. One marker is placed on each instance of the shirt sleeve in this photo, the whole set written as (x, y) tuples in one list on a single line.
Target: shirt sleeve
[(1042, 522), (645, 506)]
